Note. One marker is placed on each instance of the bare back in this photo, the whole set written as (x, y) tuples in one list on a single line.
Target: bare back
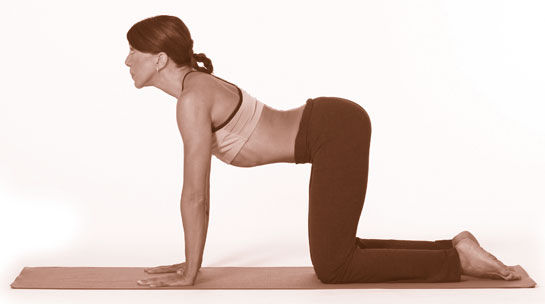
[(273, 139)]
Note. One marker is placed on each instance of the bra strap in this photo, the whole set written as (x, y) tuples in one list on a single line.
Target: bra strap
[(234, 112), (183, 80)]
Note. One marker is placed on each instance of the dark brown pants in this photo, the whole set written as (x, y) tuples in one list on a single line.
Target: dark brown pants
[(334, 135)]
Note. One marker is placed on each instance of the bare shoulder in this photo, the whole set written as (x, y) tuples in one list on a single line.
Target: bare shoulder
[(193, 115), (198, 89), (194, 96), (193, 107)]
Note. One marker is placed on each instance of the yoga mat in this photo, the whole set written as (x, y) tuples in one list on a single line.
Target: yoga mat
[(226, 278)]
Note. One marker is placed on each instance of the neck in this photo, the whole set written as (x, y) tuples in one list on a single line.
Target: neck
[(169, 80)]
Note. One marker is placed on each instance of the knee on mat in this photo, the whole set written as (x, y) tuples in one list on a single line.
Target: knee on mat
[(324, 274)]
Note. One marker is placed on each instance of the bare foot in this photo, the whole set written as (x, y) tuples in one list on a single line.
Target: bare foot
[(477, 262), (463, 235)]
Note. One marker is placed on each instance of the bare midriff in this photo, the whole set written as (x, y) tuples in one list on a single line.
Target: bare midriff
[(273, 139)]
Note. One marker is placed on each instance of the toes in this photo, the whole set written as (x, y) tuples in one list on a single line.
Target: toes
[(508, 277), (494, 276), (509, 273), (511, 276), (504, 272), (499, 275)]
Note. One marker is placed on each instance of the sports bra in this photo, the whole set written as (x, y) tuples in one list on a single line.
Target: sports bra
[(231, 136)]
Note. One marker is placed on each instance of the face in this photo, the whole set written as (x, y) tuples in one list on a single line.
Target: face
[(142, 67)]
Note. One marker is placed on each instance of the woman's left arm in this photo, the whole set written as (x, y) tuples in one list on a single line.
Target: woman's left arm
[(194, 122), (195, 215)]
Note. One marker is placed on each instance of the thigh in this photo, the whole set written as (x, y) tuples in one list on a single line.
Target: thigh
[(340, 141)]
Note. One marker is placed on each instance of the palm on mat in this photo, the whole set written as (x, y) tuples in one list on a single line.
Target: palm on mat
[(179, 276), (167, 280)]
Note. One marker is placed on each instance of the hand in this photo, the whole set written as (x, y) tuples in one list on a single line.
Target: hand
[(181, 277), (168, 280), (168, 268)]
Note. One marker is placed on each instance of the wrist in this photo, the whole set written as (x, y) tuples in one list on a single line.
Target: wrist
[(192, 268)]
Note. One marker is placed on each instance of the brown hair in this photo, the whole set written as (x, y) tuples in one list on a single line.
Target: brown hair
[(167, 34)]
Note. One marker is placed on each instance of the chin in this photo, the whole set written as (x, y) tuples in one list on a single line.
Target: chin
[(138, 84)]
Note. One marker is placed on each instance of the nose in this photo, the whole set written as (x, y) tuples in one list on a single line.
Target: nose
[(127, 60)]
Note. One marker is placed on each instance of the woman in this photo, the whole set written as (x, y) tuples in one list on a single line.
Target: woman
[(217, 117)]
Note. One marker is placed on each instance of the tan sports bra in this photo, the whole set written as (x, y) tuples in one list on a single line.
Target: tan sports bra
[(231, 136)]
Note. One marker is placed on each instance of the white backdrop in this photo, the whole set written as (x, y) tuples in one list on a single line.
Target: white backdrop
[(91, 167)]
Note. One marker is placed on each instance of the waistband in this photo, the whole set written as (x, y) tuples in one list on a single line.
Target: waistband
[(302, 152)]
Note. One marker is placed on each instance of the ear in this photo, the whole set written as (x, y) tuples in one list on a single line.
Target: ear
[(162, 60)]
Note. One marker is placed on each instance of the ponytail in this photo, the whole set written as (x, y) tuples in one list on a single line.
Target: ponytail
[(201, 57), (167, 34)]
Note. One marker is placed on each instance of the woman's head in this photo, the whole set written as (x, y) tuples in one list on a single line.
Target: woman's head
[(170, 35)]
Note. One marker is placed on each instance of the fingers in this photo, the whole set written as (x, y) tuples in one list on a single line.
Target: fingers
[(160, 269), (166, 281), (164, 269), (148, 283), (144, 282), (157, 281)]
